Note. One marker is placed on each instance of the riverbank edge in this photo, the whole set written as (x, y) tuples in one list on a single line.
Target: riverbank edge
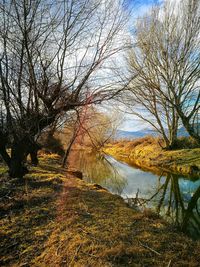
[(151, 157), (64, 221)]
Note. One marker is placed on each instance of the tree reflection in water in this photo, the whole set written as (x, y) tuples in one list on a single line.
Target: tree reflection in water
[(181, 207), (174, 198), (97, 169)]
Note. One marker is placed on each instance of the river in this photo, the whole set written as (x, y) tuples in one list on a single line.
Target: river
[(174, 197)]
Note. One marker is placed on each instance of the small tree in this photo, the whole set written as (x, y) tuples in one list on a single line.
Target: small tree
[(89, 128)]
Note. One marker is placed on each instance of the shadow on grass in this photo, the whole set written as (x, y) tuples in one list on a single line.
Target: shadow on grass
[(27, 211), (96, 228)]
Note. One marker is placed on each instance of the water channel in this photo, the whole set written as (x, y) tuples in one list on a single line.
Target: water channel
[(174, 197)]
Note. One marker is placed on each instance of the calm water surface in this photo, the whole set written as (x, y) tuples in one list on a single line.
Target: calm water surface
[(175, 198)]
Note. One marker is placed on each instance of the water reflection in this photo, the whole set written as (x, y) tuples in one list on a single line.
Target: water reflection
[(172, 196), (178, 200), (98, 169)]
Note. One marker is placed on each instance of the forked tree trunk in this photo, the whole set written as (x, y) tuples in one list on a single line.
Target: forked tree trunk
[(19, 151)]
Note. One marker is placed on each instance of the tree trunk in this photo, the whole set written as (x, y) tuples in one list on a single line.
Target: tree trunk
[(3, 144), (174, 130), (190, 129), (5, 155), (68, 151), (19, 151), (34, 158), (167, 142), (172, 140), (16, 167), (32, 149)]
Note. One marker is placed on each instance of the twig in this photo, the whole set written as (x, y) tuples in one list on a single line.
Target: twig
[(145, 246), (58, 249), (6, 196), (91, 255), (87, 233), (169, 264), (12, 245), (75, 255)]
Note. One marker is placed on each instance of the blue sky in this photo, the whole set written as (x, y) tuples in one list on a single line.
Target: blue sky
[(139, 7), (144, 2)]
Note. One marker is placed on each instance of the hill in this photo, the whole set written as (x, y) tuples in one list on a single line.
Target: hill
[(122, 134)]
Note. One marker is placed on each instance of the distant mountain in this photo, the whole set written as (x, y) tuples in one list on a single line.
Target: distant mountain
[(135, 134), (138, 134)]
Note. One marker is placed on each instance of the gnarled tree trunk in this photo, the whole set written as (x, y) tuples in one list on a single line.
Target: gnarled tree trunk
[(17, 169), (19, 151), (3, 144), (33, 149)]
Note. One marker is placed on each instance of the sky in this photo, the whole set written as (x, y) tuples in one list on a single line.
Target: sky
[(144, 2), (140, 7)]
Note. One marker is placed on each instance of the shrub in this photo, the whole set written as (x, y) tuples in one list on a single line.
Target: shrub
[(144, 141), (52, 144), (186, 142)]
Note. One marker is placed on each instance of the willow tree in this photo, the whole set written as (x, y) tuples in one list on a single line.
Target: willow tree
[(52, 56), (167, 60)]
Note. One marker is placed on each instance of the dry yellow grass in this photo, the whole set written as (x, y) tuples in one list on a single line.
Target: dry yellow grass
[(55, 219), (148, 154)]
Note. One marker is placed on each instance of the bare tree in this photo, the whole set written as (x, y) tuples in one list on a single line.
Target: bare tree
[(89, 128), (144, 99), (101, 128), (51, 54), (77, 128), (168, 62)]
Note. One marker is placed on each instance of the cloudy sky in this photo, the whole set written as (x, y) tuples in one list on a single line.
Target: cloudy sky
[(140, 7)]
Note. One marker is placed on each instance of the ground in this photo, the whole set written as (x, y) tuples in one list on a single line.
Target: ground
[(54, 219), (148, 154)]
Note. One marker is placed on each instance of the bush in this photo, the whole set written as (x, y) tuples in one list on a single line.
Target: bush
[(52, 144), (145, 141), (186, 142)]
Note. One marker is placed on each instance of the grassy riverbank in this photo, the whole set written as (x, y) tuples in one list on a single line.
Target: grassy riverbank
[(148, 154), (54, 219)]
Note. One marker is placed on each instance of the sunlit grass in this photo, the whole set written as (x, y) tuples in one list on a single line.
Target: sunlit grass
[(148, 154), (3, 169), (54, 219)]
